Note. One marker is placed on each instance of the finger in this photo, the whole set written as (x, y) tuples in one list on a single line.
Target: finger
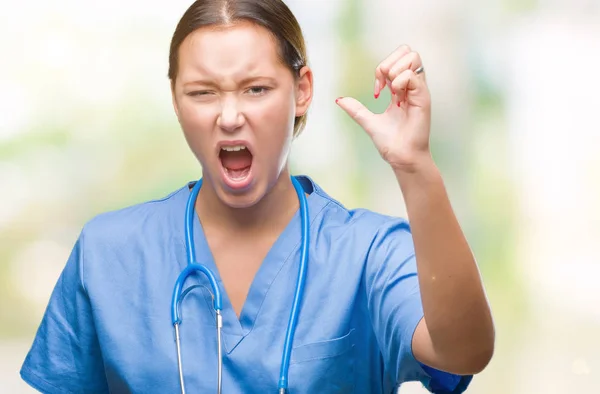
[(383, 69), (410, 61), (356, 111), (407, 85)]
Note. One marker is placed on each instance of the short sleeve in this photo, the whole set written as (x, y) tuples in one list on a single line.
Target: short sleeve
[(65, 356), (395, 307)]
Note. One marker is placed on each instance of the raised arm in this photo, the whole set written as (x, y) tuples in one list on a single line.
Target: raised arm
[(457, 333)]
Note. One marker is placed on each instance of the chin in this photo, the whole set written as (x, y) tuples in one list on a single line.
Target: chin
[(244, 187), (250, 194)]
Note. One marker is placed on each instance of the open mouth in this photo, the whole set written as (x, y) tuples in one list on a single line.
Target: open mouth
[(236, 161)]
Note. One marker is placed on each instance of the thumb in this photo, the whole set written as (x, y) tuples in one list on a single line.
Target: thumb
[(356, 110)]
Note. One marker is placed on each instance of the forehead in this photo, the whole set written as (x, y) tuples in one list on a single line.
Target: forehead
[(229, 52)]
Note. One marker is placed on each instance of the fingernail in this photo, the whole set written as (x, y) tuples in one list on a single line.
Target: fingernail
[(398, 103), (338, 99), (377, 88)]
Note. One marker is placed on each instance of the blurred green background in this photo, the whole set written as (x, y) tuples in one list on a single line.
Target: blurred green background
[(86, 125)]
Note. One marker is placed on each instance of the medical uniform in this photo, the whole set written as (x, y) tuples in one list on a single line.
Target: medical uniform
[(108, 326)]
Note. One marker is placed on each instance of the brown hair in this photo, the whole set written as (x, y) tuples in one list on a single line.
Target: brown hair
[(273, 15)]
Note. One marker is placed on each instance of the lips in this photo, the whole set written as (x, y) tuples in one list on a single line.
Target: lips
[(236, 160), (236, 164)]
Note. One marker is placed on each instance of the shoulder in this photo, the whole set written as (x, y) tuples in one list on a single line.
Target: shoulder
[(133, 221), (361, 225)]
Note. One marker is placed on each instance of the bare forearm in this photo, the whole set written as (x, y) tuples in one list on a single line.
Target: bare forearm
[(457, 315)]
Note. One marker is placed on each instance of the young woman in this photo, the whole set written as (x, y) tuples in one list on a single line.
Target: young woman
[(382, 303)]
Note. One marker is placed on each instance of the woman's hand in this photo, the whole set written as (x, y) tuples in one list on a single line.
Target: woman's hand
[(457, 332), (401, 133)]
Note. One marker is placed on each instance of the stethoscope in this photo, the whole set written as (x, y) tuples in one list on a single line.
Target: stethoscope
[(193, 266)]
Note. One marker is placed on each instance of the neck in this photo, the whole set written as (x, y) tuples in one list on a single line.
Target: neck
[(272, 212)]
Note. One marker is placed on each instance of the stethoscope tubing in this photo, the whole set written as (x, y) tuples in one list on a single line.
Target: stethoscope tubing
[(194, 267)]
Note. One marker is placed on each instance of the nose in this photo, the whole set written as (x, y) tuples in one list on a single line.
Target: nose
[(230, 119)]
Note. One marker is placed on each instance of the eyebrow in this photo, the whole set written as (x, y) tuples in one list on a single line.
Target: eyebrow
[(244, 81)]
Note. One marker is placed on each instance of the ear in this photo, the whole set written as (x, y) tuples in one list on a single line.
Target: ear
[(304, 90), (174, 99)]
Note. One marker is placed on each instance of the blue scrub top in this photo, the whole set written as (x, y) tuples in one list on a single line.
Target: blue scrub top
[(107, 327)]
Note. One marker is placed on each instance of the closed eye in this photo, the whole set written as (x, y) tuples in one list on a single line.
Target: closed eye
[(197, 93)]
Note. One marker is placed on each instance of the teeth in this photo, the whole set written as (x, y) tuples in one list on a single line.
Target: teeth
[(234, 148)]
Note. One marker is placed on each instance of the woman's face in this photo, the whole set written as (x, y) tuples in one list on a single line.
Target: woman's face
[(236, 103)]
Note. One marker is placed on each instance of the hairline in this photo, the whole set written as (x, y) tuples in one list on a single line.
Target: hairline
[(231, 23)]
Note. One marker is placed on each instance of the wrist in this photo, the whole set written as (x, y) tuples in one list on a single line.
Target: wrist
[(418, 176), (418, 163)]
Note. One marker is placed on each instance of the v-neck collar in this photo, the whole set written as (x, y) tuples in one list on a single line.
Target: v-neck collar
[(234, 329)]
